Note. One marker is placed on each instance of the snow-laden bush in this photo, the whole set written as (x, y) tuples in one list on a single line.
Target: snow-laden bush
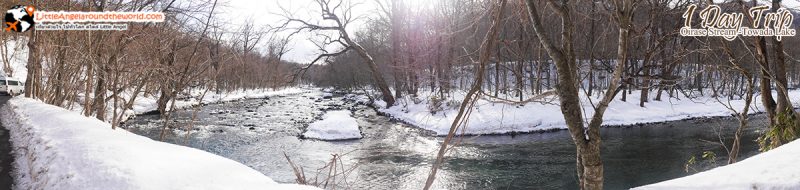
[(435, 104), (453, 103)]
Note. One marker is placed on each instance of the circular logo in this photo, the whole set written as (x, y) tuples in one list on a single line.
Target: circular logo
[(18, 19)]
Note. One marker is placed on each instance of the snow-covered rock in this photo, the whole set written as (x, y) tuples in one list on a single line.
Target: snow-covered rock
[(335, 125), (327, 95), (774, 169), (359, 99), (56, 148)]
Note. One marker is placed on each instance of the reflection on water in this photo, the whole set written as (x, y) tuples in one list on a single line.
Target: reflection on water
[(394, 156)]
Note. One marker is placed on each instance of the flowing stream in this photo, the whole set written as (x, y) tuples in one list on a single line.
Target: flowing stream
[(392, 155)]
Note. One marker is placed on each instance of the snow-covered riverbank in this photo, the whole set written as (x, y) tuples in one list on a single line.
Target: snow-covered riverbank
[(501, 118), (144, 104), (774, 169), (60, 149)]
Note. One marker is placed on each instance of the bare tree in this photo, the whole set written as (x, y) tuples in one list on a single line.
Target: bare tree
[(33, 81), (587, 140), (340, 21), (473, 94), (742, 116)]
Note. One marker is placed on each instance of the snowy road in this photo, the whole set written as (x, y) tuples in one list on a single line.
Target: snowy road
[(5, 154)]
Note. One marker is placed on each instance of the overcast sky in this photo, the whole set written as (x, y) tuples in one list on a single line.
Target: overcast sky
[(266, 12)]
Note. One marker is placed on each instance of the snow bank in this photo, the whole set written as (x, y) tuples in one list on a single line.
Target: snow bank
[(335, 125), (774, 169), (144, 104), (60, 149), (500, 118)]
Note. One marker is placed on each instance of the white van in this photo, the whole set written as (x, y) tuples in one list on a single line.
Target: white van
[(11, 86)]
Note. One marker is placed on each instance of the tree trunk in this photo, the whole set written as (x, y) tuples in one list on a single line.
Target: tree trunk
[(765, 84), (100, 93), (87, 106), (590, 48), (784, 105), (4, 54), (589, 163), (520, 83), (496, 78), (34, 66)]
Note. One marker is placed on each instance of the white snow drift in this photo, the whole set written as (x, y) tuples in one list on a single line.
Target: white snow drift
[(499, 118), (335, 125), (60, 149), (144, 103), (774, 169)]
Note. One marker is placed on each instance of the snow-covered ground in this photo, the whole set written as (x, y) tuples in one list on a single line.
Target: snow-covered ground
[(774, 169), (335, 125), (59, 149), (499, 118), (146, 103)]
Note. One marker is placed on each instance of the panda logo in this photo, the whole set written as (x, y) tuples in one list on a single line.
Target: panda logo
[(18, 19)]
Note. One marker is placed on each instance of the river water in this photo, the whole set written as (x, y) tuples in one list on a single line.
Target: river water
[(392, 155)]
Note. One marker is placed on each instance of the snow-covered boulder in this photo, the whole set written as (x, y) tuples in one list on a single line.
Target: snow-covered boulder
[(327, 95), (335, 125), (774, 169), (359, 99), (56, 148)]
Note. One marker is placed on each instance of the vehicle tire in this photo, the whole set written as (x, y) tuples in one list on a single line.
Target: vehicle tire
[(11, 93)]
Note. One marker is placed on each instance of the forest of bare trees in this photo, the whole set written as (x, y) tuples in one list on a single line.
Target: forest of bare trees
[(193, 49), (439, 49), (516, 51)]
